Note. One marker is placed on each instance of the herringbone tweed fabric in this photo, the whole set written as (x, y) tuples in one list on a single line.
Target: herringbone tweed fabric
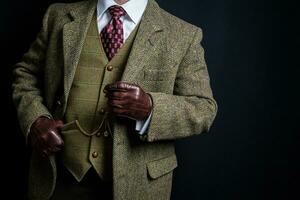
[(166, 60)]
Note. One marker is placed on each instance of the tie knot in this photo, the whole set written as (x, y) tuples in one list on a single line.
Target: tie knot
[(116, 11)]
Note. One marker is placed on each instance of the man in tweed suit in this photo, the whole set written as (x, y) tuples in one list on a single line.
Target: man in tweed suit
[(102, 94)]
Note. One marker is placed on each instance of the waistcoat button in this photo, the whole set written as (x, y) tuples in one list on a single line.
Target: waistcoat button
[(95, 154), (110, 67)]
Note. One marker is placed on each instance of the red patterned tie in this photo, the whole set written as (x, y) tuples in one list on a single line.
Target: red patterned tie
[(112, 34)]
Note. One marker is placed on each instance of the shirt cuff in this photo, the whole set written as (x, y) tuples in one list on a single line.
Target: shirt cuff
[(142, 125)]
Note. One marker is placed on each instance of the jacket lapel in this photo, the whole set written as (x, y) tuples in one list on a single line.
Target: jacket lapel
[(146, 42), (74, 34)]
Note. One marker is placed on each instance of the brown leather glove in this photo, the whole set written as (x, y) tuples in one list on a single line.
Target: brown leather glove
[(45, 137), (129, 100)]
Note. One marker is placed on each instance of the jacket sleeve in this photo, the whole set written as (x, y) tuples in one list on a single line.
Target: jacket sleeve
[(191, 109), (28, 81)]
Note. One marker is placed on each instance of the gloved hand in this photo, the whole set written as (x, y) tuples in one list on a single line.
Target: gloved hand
[(45, 137), (129, 100)]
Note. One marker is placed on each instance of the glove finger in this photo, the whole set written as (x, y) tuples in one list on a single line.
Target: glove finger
[(117, 95), (118, 103), (59, 123), (55, 138), (109, 87), (119, 111), (125, 85), (119, 86)]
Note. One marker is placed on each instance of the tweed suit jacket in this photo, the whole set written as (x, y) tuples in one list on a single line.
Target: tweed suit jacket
[(166, 60)]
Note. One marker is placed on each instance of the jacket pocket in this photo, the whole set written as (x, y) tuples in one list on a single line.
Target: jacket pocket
[(162, 166), (157, 75)]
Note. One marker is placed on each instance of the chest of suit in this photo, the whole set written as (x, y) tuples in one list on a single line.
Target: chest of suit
[(89, 122)]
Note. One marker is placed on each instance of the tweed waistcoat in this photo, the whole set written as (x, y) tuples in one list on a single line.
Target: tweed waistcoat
[(88, 130)]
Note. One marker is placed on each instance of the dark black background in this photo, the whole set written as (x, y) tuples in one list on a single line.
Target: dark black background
[(252, 55)]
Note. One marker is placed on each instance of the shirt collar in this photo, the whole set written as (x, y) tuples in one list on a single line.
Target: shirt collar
[(134, 8)]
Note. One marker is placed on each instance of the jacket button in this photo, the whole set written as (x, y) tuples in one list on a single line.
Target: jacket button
[(95, 154), (110, 67), (106, 134)]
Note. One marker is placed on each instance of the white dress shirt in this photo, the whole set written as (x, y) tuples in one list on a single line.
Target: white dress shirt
[(134, 10)]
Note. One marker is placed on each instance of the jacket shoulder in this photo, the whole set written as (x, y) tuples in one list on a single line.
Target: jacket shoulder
[(57, 8), (177, 25), (58, 13)]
